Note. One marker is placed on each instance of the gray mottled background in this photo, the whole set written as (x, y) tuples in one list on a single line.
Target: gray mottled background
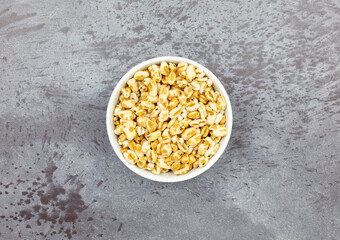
[(280, 64)]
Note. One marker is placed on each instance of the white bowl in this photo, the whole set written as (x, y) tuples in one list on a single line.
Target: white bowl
[(169, 176)]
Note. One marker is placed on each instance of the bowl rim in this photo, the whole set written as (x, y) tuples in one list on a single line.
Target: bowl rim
[(110, 126)]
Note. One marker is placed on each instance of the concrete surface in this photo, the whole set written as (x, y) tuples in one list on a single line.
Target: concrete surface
[(279, 177)]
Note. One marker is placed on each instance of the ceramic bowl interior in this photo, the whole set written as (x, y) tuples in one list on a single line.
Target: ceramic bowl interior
[(169, 176)]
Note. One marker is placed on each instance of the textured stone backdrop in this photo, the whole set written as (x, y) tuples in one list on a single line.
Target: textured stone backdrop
[(280, 64)]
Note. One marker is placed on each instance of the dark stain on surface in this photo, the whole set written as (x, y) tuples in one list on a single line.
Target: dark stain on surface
[(182, 19), (91, 106), (51, 195), (120, 227), (26, 214), (100, 183), (138, 29), (60, 205), (64, 30), (91, 33), (24, 31), (44, 139), (118, 6), (13, 17), (71, 179), (4, 11)]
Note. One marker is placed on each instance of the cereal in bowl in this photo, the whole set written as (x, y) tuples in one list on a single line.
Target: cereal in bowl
[(170, 118)]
